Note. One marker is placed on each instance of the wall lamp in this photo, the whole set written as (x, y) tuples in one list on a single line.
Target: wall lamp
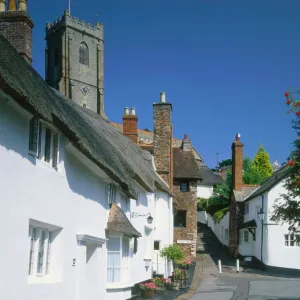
[(148, 215)]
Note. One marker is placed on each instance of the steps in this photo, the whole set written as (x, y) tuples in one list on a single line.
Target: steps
[(206, 240)]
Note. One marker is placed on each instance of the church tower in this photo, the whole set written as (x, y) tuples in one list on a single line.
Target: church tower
[(74, 61)]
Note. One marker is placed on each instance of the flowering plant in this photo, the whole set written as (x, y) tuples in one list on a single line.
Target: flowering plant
[(184, 263), (149, 286), (160, 281)]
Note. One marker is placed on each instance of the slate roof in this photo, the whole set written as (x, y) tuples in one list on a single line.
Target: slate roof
[(185, 165), (119, 223), (249, 224), (90, 133), (269, 183), (241, 195), (209, 177)]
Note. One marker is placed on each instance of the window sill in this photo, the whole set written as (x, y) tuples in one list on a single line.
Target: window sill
[(41, 279), (147, 258), (118, 285)]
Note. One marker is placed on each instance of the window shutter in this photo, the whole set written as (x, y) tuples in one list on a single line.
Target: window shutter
[(55, 151), (33, 134)]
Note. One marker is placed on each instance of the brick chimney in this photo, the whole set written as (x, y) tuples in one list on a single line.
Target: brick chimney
[(186, 144), (16, 26), (163, 139), (130, 124), (237, 163)]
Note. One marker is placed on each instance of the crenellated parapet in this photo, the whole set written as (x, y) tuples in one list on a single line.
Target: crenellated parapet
[(80, 25)]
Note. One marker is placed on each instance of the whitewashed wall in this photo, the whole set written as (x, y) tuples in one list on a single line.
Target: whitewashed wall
[(72, 199), (275, 253), (221, 229), (204, 191)]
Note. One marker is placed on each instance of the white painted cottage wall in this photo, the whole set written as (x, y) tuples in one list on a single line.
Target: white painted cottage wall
[(275, 253), (73, 199), (220, 228), (204, 191)]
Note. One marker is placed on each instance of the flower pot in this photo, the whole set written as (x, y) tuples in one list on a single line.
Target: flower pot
[(160, 290), (175, 286), (147, 294)]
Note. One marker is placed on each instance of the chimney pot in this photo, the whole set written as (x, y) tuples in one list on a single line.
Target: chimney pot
[(133, 111), (186, 137), (12, 5), (2, 5), (162, 97), (23, 5), (238, 137), (126, 111)]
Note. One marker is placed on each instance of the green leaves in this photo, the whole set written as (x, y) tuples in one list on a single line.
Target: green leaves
[(261, 162), (172, 253)]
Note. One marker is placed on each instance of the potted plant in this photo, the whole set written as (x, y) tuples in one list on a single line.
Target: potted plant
[(184, 264), (148, 289), (173, 253), (181, 275), (161, 284)]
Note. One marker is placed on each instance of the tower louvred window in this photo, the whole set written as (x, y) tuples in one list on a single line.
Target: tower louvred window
[(84, 54)]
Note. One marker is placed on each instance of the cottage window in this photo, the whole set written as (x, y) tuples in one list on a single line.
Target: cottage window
[(84, 54), (184, 187), (246, 209), (118, 259), (39, 253), (246, 236), (40, 134), (292, 240), (180, 219), (226, 235), (111, 193), (156, 245)]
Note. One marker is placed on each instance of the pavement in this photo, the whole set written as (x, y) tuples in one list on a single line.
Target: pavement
[(241, 286)]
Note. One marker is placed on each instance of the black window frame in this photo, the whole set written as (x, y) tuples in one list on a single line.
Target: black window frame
[(180, 218), (157, 243), (187, 183)]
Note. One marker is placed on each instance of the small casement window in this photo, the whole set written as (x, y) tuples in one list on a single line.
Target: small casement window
[(84, 54), (184, 187), (292, 240), (180, 219), (246, 209), (246, 236), (40, 251), (48, 135), (226, 234), (118, 260), (33, 134), (111, 193), (156, 245)]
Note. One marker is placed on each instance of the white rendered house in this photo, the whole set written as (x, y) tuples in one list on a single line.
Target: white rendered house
[(68, 180)]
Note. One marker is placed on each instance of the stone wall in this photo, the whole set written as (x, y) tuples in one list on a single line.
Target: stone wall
[(16, 27), (187, 201)]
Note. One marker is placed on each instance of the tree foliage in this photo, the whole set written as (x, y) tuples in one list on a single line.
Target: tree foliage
[(261, 162), (288, 208), (251, 174)]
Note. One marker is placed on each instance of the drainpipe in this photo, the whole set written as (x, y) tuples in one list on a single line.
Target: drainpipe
[(262, 232)]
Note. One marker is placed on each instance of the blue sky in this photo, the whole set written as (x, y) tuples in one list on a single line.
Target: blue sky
[(224, 65)]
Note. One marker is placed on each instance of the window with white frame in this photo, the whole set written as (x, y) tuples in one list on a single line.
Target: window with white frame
[(111, 193), (156, 245), (40, 251), (292, 240), (43, 142), (226, 234), (246, 236), (246, 209), (118, 259)]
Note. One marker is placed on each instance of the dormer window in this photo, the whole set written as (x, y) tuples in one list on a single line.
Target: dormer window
[(43, 142), (84, 54)]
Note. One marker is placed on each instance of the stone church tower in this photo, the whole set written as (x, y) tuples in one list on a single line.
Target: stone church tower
[(74, 61)]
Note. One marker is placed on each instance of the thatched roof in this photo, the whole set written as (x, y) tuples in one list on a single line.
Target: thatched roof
[(118, 222), (90, 133)]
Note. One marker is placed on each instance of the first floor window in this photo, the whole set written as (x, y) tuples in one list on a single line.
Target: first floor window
[(111, 193), (156, 245), (292, 240), (33, 134), (246, 236), (117, 259), (39, 252), (246, 209), (184, 187), (226, 234), (180, 219)]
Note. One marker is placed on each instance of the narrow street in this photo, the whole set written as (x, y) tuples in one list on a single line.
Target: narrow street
[(237, 286)]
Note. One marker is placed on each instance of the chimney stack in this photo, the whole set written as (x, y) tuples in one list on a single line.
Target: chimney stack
[(237, 163), (186, 144), (130, 124), (163, 139), (16, 26)]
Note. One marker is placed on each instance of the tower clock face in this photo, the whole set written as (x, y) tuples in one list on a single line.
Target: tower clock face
[(84, 90)]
